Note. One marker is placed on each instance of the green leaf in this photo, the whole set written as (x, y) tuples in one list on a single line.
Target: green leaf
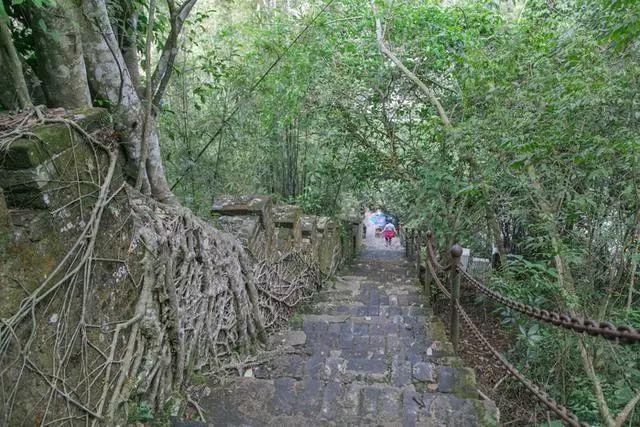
[(42, 25), (623, 393)]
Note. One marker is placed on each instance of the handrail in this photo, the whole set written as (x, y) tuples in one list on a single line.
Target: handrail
[(569, 417), (622, 334)]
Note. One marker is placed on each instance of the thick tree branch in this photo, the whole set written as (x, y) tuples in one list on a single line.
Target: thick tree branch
[(626, 411), (387, 52), (163, 70), (601, 402), (144, 150)]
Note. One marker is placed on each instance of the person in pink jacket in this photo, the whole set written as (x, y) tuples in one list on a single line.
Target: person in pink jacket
[(389, 232)]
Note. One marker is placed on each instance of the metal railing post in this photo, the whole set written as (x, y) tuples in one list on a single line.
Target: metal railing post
[(427, 273), (418, 251), (405, 234), (454, 282)]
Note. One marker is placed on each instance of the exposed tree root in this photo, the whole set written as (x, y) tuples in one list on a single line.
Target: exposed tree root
[(191, 302)]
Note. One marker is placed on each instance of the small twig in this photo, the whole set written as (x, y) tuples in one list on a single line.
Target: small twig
[(500, 382)]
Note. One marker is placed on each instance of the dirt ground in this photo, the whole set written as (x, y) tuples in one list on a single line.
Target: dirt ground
[(517, 406)]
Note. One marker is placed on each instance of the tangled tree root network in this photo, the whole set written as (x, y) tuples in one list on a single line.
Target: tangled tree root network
[(190, 300)]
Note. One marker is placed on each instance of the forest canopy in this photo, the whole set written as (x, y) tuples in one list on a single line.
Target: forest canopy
[(511, 124)]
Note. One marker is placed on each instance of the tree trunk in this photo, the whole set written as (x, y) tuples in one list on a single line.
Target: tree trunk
[(564, 273), (109, 79), (129, 48), (13, 87), (60, 61), (162, 73), (566, 283)]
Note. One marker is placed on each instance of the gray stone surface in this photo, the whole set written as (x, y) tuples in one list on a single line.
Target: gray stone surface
[(250, 219), (288, 338), (373, 355)]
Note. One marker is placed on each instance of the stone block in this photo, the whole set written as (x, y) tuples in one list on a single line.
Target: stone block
[(410, 408), (329, 245), (308, 392), (369, 401), (309, 226), (286, 216), (245, 228), (49, 140), (250, 219), (446, 379), (32, 169), (309, 229), (400, 371), (326, 224), (331, 401), (284, 396), (370, 366), (289, 338), (242, 205), (423, 371), (389, 403), (286, 219)]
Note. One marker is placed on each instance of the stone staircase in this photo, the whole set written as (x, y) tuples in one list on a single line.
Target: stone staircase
[(368, 352)]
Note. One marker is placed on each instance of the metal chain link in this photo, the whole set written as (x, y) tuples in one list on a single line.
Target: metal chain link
[(432, 256), (564, 413), (625, 334)]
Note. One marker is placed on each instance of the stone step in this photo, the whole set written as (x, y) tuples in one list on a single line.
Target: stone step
[(368, 352), (251, 401)]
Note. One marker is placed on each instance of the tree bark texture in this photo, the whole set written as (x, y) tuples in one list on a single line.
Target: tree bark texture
[(86, 50), (110, 80), (13, 87), (59, 54)]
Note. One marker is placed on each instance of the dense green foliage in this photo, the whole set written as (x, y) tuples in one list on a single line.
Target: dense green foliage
[(542, 96)]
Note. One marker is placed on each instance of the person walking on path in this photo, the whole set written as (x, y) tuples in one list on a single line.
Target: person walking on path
[(389, 232)]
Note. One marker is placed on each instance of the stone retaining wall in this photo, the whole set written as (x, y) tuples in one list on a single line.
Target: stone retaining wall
[(273, 230), (36, 171)]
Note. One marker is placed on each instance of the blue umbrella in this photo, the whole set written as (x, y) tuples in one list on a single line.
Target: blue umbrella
[(378, 219)]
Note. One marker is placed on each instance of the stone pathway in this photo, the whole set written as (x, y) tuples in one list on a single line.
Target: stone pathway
[(368, 352)]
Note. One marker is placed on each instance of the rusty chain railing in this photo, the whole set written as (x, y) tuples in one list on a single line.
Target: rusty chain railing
[(561, 411), (623, 334)]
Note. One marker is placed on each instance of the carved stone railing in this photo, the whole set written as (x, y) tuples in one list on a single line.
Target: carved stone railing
[(270, 231), (288, 227), (250, 219), (157, 292), (309, 226)]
